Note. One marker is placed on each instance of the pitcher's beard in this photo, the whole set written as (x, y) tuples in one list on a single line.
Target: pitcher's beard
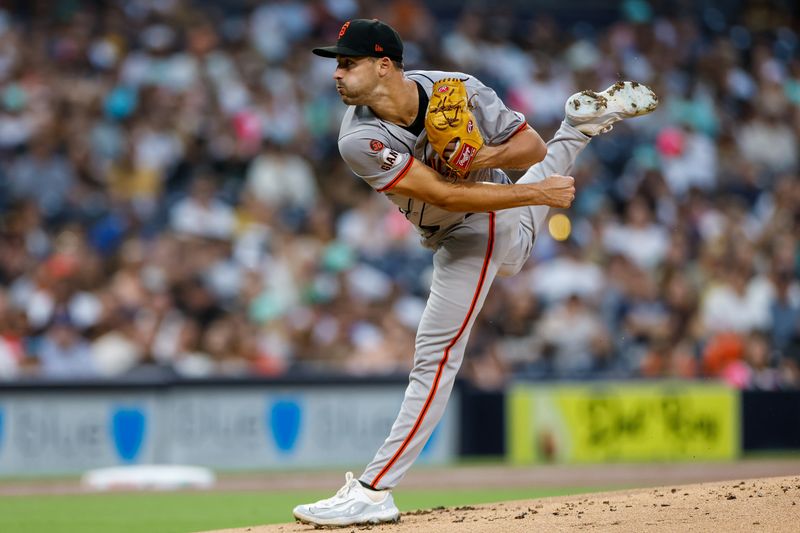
[(349, 98)]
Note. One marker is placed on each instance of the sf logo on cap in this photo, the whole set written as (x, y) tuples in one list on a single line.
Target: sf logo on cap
[(344, 29)]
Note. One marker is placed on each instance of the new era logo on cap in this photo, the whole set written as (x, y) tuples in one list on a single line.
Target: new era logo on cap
[(363, 37)]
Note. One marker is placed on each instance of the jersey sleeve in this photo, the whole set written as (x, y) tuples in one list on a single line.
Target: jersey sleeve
[(369, 156), (497, 122)]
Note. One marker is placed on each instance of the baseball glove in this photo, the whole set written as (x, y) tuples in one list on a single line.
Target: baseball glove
[(452, 130)]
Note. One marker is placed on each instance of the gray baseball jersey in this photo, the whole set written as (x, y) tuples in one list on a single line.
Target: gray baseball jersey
[(381, 152), (470, 251)]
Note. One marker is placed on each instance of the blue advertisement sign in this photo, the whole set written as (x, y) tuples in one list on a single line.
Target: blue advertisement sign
[(128, 425), (284, 419)]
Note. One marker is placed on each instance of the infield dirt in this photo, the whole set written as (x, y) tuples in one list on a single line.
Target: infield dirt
[(763, 504)]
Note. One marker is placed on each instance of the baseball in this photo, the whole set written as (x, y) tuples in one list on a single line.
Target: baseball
[(560, 227)]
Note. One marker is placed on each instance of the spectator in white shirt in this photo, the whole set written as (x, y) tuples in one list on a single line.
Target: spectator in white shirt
[(201, 214)]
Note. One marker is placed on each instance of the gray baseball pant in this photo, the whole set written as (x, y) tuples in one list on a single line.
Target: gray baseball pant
[(464, 265)]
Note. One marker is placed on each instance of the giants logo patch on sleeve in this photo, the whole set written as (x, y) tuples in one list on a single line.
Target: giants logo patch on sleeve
[(390, 158)]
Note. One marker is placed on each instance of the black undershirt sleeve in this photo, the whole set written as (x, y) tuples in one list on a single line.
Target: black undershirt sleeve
[(418, 125)]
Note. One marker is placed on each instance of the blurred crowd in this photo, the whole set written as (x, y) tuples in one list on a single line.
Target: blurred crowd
[(172, 198)]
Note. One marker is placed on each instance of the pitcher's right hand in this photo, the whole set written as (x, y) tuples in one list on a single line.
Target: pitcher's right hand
[(557, 190)]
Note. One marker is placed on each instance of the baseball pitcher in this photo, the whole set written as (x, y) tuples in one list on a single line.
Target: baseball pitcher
[(433, 143)]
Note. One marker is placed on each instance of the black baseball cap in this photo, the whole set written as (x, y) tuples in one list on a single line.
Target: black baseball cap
[(364, 37)]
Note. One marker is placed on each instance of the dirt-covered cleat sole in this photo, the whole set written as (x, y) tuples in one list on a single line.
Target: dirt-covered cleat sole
[(335, 524), (592, 112), (384, 516)]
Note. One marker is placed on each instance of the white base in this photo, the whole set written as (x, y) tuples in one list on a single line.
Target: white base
[(144, 477)]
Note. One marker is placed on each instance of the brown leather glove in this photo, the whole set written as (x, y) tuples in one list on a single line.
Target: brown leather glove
[(452, 130)]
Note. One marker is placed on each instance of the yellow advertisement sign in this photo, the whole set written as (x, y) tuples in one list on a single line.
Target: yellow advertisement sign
[(622, 422)]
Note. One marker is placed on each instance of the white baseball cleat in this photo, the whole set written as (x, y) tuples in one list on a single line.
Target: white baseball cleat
[(352, 504), (592, 113)]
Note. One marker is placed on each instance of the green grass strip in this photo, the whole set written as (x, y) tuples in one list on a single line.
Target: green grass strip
[(168, 512)]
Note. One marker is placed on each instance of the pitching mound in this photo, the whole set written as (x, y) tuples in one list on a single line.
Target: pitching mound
[(768, 504)]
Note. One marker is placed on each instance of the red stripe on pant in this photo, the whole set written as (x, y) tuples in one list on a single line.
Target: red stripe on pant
[(487, 258)]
